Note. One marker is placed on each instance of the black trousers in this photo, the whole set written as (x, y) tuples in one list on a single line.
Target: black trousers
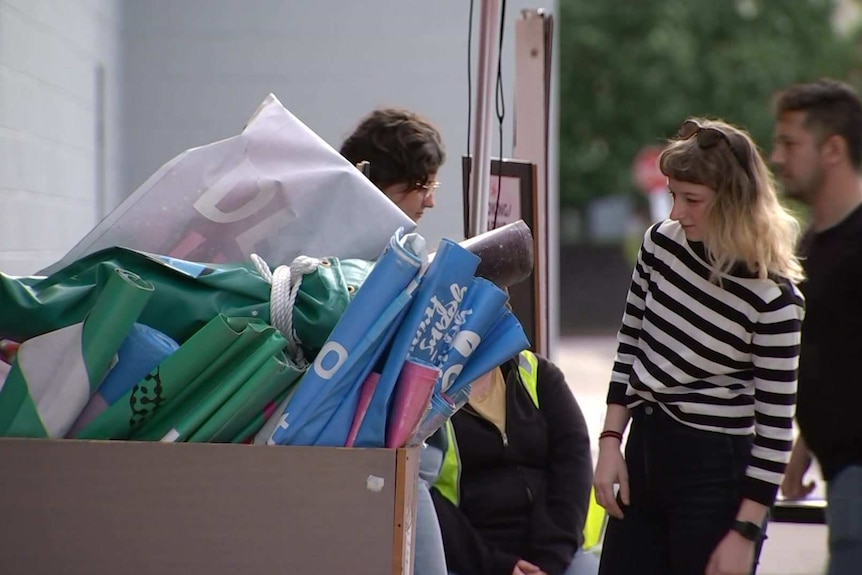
[(685, 493)]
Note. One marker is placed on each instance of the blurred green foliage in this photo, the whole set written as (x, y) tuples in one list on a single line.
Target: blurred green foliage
[(632, 70)]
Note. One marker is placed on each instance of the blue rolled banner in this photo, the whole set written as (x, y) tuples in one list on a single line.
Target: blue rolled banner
[(142, 351), (483, 307), (425, 330), (502, 342), (346, 357)]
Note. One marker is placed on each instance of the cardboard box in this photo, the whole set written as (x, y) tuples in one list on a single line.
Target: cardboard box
[(77, 507)]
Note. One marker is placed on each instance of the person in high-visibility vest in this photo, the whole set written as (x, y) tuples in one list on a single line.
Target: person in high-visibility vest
[(514, 488)]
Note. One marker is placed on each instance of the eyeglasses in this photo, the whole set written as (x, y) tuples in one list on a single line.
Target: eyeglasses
[(709, 137), (426, 187)]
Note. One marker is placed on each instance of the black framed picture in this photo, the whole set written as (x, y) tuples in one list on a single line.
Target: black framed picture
[(512, 197)]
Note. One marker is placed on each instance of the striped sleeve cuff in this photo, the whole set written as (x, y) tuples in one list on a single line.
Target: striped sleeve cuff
[(617, 393), (760, 491)]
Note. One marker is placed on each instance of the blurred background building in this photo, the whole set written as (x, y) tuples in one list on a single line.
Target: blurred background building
[(95, 95)]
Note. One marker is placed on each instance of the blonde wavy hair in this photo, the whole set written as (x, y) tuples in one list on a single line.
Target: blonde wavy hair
[(746, 224)]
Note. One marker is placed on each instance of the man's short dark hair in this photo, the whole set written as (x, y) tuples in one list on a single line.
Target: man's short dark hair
[(400, 145), (831, 108)]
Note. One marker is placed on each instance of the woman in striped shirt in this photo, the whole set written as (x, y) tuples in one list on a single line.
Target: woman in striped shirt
[(705, 367)]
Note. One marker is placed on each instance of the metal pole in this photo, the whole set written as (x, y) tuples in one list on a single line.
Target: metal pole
[(481, 165)]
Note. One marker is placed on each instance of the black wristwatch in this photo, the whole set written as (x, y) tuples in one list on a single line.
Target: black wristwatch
[(749, 530)]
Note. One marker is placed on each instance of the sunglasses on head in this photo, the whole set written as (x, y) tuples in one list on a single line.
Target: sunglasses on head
[(708, 137)]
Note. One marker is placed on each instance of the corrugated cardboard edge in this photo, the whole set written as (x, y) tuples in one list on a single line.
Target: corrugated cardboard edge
[(404, 525)]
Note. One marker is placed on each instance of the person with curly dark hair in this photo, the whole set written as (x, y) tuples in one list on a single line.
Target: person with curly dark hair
[(401, 152), (404, 152)]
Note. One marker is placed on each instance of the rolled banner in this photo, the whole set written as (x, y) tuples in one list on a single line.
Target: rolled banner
[(441, 408), (201, 396), (55, 374), (347, 356), (142, 351), (162, 385), (506, 252), (248, 433), (107, 326), (435, 310), (273, 419), (504, 340), (187, 295), (250, 379), (482, 309), (271, 379), (412, 397), (461, 396), (336, 432), (365, 394)]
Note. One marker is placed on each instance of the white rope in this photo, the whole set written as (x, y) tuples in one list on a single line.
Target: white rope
[(262, 268), (286, 282)]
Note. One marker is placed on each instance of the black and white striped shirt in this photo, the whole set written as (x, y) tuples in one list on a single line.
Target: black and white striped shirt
[(718, 358)]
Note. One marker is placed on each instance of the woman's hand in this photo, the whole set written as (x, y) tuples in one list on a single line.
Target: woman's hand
[(610, 469), (733, 556), (524, 567)]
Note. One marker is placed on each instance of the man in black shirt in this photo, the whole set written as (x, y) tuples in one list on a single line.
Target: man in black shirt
[(817, 154)]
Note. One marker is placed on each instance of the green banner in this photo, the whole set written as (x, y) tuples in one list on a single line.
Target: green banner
[(250, 430), (163, 385), (55, 373), (212, 392), (270, 380), (187, 295)]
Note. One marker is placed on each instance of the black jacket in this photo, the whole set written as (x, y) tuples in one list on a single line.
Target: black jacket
[(527, 499), (829, 394)]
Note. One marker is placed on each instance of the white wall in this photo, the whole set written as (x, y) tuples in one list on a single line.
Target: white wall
[(54, 173), (196, 69), (182, 73)]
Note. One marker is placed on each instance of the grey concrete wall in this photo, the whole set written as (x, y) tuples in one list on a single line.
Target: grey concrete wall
[(57, 174), (196, 69)]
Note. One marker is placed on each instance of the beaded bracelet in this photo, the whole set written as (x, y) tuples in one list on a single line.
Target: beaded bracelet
[(611, 433)]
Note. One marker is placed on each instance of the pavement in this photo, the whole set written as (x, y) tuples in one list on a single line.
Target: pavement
[(791, 549)]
